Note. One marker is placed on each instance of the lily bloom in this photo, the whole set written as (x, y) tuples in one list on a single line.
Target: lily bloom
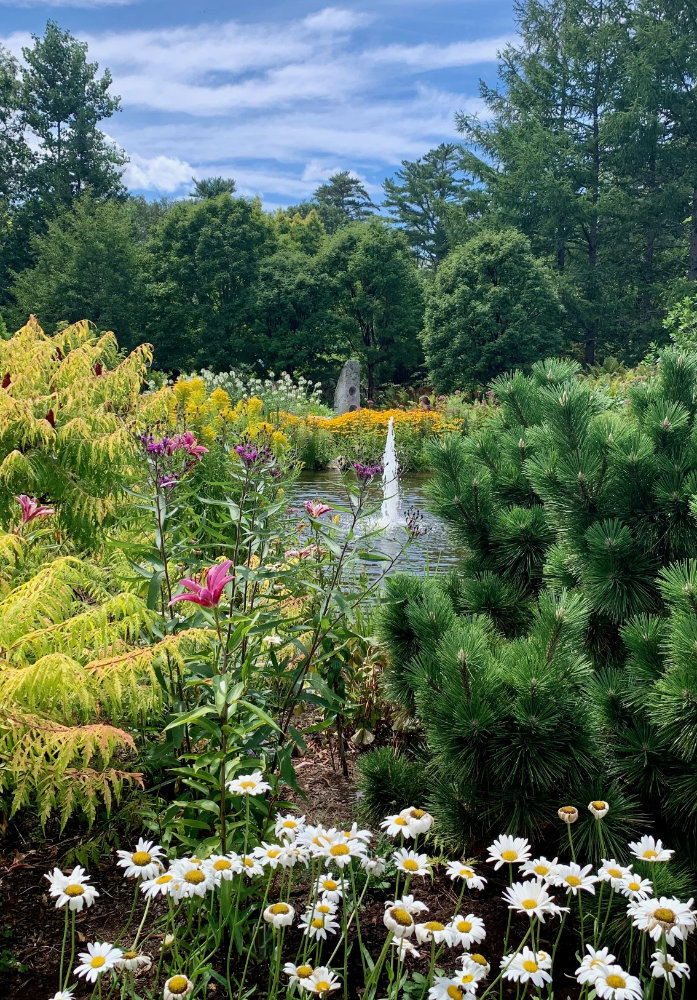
[(209, 595), (188, 442), (31, 508), (316, 508)]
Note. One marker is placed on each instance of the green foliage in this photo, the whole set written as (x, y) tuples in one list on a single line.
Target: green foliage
[(389, 782), (491, 306)]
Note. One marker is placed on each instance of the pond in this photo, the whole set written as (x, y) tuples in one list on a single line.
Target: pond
[(433, 551)]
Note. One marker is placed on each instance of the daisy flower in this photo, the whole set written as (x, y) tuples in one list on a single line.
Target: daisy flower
[(399, 915), (342, 852), (316, 837), (613, 872), (73, 890), (177, 988), (568, 814), (508, 851), (62, 995), (466, 931), (143, 862), (456, 869), (541, 868), (395, 826), (322, 981), (297, 972), (613, 983), (223, 867), (446, 988), (404, 948), (279, 915), (544, 960), (593, 963), (195, 878), (574, 878), (160, 886), (355, 834), (249, 784), (665, 967), (318, 921), (133, 961), (432, 930), (636, 887), (648, 849), (373, 866), (470, 973), (411, 862), (251, 866), (329, 889), (663, 916), (523, 967), (599, 808), (418, 820), (289, 826), (99, 957), (272, 855), (478, 960), (531, 898)]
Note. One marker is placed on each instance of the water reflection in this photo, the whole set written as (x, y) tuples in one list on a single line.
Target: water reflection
[(429, 553)]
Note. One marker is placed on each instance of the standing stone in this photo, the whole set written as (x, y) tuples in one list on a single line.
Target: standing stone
[(347, 396)]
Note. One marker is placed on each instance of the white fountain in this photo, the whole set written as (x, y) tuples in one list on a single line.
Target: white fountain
[(389, 512)]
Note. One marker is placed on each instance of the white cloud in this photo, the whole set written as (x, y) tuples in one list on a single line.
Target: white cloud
[(68, 3), (159, 173), (427, 56)]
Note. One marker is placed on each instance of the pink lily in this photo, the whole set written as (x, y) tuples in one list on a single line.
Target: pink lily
[(303, 553), (208, 596), (316, 508), (191, 445), (31, 508)]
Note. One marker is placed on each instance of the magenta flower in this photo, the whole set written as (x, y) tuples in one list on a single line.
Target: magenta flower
[(188, 442), (31, 508), (316, 508), (208, 596), (303, 553)]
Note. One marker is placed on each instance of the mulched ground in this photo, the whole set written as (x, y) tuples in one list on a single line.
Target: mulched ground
[(31, 928)]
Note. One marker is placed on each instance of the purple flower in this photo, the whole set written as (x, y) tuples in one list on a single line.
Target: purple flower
[(166, 481), (247, 454), (367, 472)]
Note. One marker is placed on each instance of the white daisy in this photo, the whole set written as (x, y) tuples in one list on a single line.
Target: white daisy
[(251, 866), (297, 972), (316, 837), (432, 930), (133, 961), (73, 890), (523, 967), (459, 870), (318, 921), (613, 983), (357, 834), (467, 930), (665, 967), (446, 988), (396, 826), (342, 852), (508, 851), (223, 867), (99, 957), (195, 878), (648, 849), (249, 784), (177, 988), (613, 872), (663, 916), (328, 889), (272, 855), (399, 915), (279, 915), (289, 826), (62, 995), (544, 960), (404, 948), (599, 808), (373, 866), (418, 820), (410, 862), (160, 886), (531, 898), (143, 862), (322, 981), (574, 878), (470, 973), (593, 963), (541, 868), (636, 887)]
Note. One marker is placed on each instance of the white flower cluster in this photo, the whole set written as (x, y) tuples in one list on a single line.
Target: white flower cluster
[(280, 392)]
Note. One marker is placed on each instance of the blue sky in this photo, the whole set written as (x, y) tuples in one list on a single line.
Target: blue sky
[(279, 93)]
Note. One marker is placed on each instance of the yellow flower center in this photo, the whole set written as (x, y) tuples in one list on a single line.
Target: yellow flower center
[(464, 926), (128, 955), (195, 877), (322, 986), (417, 813), (650, 854), (163, 880), (330, 885), (597, 961), (616, 982), (569, 810), (597, 804), (400, 821), (323, 908), (529, 966), (74, 890), (664, 915), (634, 886), (410, 865), (279, 908), (141, 858), (454, 992), (249, 862), (541, 870), (466, 978), (317, 923), (97, 961), (303, 971), (247, 784), (529, 904), (289, 824), (479, 959), (272, 853), (466, 873), (401, 917), (222, 865), (339, 850), (177, 984), (615, 872), (509, 855), (572, 880), (433, 925)]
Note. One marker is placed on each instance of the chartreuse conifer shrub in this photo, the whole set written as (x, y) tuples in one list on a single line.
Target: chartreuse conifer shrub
[(563, 656)]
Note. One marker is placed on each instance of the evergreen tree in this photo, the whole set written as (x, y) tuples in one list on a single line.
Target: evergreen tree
[(211, 187), (14, 153), (492, 305), (341, 200)]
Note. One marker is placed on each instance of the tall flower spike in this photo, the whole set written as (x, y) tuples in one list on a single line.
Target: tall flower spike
[(31, 508), (207, 596)]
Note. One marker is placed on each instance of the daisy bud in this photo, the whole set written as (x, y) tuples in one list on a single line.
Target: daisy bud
[(599, 808), (568, 814), (177, 988)]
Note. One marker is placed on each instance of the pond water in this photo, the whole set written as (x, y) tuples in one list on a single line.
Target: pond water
[(433, 551)]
